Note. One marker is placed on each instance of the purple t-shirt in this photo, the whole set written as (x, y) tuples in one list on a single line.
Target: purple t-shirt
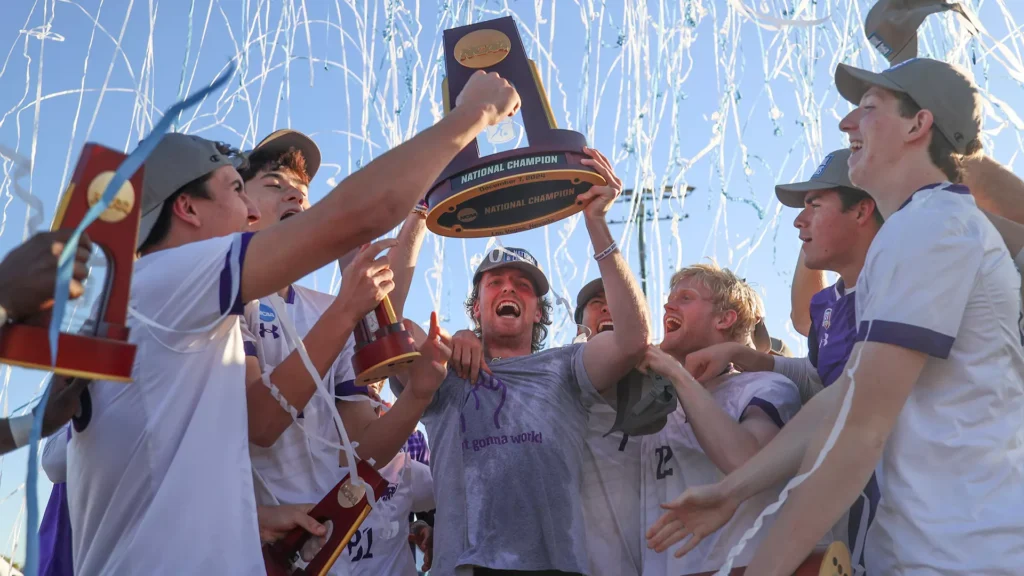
[(833, 331)]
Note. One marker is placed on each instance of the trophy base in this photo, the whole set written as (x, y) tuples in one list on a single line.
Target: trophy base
[(78, 356), (346, 507), (384, 357), (512, 191)]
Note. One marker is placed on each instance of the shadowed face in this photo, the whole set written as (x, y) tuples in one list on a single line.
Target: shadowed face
[(228, 209), (596, 316)]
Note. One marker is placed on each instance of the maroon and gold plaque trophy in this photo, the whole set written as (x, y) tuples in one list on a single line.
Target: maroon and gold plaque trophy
[(515, 190), (383, 345), (346, 506), (103, 354)]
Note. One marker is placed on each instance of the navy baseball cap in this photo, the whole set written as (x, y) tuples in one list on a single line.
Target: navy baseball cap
[(514, 258)]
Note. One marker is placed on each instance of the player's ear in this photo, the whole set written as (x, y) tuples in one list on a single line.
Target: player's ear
[(184, 209), (726, 320)]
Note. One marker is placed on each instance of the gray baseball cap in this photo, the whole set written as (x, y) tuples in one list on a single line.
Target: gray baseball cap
[(281, 141), (514, 258), (643, 403), (891, 25), (764, 342), (177, 160), (589, 290), (833, 172), (941, 88)]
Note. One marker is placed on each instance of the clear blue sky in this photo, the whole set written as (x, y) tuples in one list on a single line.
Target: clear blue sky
[(688, 93)]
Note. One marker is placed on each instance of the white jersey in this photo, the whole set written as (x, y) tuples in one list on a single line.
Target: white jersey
[(297, 469), (381, 545), (938, 279), (159, 479), (611, 497), (672, 461)]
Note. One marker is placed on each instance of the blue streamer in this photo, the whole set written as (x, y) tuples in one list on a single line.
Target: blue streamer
[(65, 267)]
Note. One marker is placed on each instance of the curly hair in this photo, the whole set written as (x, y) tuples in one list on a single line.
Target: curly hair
[(540, 329), (267, 161)]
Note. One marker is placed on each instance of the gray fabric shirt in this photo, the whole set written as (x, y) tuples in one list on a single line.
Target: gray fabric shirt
[(506, 457)]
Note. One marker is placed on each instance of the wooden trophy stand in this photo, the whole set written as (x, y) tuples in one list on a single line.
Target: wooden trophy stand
[(346, 506), (104, 353), (383, 346)]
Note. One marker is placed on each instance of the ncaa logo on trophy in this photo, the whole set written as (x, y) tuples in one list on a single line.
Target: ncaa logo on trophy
[(514, 190)]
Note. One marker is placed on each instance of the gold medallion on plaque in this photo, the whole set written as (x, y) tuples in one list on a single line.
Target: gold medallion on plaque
[(482, 48), (123, 202)]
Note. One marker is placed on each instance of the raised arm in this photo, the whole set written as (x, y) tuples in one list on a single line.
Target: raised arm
[(995, 189), (608, 356), (728, 443), (403, 258), (366, 282), (381, 438), (376, 198), (806, 283)]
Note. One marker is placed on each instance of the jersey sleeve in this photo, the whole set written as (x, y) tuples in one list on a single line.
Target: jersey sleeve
[(774, 394), (917, 292), (189, 287), (422, 487), (588, 394)]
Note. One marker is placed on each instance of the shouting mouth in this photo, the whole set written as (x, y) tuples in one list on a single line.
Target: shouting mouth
[(672, 324), (508, 309)]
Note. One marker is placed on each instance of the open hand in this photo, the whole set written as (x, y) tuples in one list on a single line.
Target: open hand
[(468, 356), (699, 511), (366, 280), (598, 200), (492, 93), (28, 273)]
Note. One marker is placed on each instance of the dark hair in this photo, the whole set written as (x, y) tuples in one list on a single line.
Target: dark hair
[(268, 161), (540, 329), (940, 150), (850, 197), (194, 189)]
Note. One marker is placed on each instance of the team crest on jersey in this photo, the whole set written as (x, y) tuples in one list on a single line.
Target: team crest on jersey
[(267, 313), (826, 320)]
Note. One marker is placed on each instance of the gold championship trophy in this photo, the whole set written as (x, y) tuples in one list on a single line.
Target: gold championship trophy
[(515, 190), (104, 352)]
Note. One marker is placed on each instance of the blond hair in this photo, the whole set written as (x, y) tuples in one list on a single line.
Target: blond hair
[(728, 292)]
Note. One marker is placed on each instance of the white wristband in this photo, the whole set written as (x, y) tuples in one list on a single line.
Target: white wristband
[(21, 427)]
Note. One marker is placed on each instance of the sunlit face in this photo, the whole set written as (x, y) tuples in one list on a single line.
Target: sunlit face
[(877, 138), (278, 193), (508, 304), (825, 230), (690, 318), (228, 209), (596, 316)]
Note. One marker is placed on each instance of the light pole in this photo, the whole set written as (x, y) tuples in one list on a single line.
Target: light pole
[(642, 216)]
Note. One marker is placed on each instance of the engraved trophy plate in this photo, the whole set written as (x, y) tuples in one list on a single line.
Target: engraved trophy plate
[(514, 190)]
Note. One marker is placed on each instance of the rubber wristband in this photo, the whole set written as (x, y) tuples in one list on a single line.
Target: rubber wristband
[(606, 252)]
